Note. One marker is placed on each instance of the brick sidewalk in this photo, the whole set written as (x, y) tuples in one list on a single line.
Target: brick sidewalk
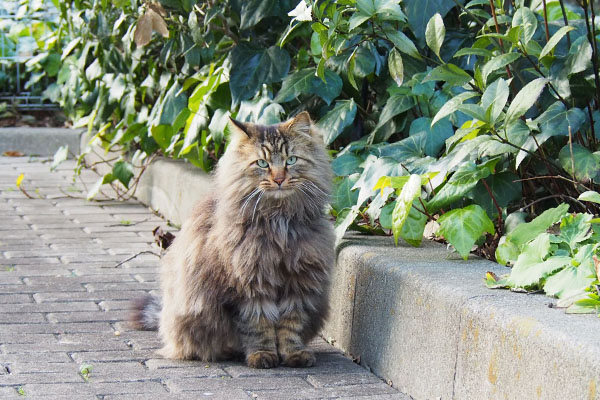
[(62, 303)]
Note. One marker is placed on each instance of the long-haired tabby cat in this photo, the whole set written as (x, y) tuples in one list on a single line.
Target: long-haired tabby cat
[(248, 273)]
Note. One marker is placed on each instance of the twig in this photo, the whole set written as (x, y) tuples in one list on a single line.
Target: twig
[(562, 196), (25, 193), (546, 21), (566, 20), (592, 41), (131, 224), (136, 255), (424, 209), (500, 229), (493, 8), (552, 177), (572, 159)]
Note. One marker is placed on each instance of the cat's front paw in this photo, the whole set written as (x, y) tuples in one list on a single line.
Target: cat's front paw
[(262, 359), (300, 358)]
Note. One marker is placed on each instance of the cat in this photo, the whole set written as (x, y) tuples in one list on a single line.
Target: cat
[(248, 275)]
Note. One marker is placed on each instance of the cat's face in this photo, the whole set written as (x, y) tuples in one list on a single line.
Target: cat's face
[(278, 160)]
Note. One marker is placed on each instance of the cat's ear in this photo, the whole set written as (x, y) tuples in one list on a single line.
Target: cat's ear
[(239, 127), (300, 124)]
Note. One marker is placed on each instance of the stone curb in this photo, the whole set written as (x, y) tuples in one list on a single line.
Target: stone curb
[(42, 142), (422, 318)]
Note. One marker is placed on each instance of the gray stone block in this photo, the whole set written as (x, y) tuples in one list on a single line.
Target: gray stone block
[(423, 319), (42, 142), (172, 188)]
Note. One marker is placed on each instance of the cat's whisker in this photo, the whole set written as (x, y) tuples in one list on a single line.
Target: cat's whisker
[(255, 205), (249, 197), (313, 185)]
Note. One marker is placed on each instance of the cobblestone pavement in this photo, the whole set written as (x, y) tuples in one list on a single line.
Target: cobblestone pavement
[(63, 303)]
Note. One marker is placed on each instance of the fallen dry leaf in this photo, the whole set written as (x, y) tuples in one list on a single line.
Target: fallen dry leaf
[(12, 153), (143, 30)]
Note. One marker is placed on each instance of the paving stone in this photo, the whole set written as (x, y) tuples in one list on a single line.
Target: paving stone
[(111, 356), (258, 383), (324, 393), (65, 286), (87, 388), (15, 298), (390, 396), (87, 296), (48, 307), (58, 328), (220, 395), (27, 338), (30, 318), (87, 316), (49, 357), (325, 380), (44, 377), (110, 305)]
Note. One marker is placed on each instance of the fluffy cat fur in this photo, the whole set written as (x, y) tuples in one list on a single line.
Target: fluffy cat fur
[(248, 273)]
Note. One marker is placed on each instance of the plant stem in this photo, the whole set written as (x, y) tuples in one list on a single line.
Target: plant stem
[(592, 40), (493, 7), (487, 187), (546, 21), (566, 20)]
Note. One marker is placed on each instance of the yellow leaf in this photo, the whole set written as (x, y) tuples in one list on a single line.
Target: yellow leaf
[(20, 179)]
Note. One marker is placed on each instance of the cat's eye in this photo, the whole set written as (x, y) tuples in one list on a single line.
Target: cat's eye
[(262, 163), (291, 160)]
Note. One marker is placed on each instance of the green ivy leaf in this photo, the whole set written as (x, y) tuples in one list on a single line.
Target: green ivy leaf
[(251, 68), (526, 19), (494, 99), (533, 264), (398, 103), (61, 155), (450, 73), (396, 67), (574, 229), (523, 233), (498, 62), (434, 136), (590, 195), (410, 191), (334, 122), (452, 105), (419, 12), (460, 183), (344, 196), (525, 99), (463, 226), (306, 81), (435, 33), (345, 218), (554, 40), (586, 163), (123, 171), (346, 164), (402, 43), (414, 226), (374, 168)]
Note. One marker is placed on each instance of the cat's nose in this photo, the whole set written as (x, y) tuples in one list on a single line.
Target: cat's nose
[(279, 180)]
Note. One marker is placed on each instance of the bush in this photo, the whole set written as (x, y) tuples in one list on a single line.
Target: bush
[(459, 114)]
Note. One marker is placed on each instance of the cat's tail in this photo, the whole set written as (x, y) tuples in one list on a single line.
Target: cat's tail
[(145, 313)]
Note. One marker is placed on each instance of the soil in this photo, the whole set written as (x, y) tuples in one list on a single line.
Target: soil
[(41, 118)]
